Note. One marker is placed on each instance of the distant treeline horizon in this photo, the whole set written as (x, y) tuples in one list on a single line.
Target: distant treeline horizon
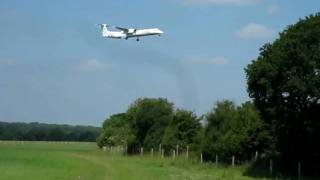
[(36, 131)]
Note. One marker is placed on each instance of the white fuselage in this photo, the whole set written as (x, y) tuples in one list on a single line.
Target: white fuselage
[(114, 34), (130, 33)]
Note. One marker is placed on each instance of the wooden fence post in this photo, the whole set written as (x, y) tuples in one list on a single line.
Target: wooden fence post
[(233, 158), (151, 151), (177, 150), (173, 154), (162, 153), (256, 156), (201, 158), (217, 160), (141, 151), (160, 150), (299, 170), (187, 153), (271, 167)]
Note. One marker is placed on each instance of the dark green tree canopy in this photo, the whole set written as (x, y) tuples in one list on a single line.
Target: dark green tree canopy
[(115, 131), (47, 132), (184, 129), (233, 130), (148, 119), (284, 82), (286, 75)]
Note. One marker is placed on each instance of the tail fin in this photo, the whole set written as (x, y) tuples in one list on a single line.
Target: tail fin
[(104, 29)]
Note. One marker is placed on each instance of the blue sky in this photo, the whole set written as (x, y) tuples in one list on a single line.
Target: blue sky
[(56, 68)]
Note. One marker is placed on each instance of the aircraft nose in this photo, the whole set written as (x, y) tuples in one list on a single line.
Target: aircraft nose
[(161, 32)]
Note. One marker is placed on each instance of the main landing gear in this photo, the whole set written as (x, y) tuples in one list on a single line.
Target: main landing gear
[(138, 39)]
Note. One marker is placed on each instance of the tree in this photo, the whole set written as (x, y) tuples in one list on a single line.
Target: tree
[(47, 132), (36, 134), (148, 119), (233, 130), (56, 134), (284, 82), (218, 131), (115, 131), (253, 131), (184, 129)]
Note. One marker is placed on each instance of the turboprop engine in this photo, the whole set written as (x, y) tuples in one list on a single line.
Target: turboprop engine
[(131, 31)]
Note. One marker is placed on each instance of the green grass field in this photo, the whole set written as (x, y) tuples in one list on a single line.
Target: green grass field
[(47, 160)]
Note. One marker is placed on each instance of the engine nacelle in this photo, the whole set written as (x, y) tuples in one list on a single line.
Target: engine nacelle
[(131, 31)]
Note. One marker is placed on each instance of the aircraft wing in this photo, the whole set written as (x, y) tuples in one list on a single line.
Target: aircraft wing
[(123, 29), (126, 30)]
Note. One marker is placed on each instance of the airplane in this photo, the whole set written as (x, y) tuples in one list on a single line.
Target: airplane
[(126, 33)]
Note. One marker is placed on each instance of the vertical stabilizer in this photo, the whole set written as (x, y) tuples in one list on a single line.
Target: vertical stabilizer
[(104, 29)]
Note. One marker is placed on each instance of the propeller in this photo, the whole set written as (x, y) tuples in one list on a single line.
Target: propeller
[(102, 25)]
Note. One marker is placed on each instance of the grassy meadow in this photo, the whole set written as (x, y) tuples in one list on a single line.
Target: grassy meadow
[(50, 160)]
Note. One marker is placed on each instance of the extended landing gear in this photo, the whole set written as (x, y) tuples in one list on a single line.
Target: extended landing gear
[(138, 39)]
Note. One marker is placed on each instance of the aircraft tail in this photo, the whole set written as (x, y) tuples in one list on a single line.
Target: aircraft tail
[(104, 29)]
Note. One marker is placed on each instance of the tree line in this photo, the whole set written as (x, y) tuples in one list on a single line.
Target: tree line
[(47, 132), (281, 122), (226, 130)]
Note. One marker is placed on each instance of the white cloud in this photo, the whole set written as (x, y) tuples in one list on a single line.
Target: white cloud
[(255, 31), (219, 60), (93, 65), (274, 9), (221, 2)]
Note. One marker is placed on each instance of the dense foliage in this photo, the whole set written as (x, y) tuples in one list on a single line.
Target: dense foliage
[(150, 122), (115, 131), (148, 119), (184, 129), (47, 132), (284, 82), (235, 131), (230, 130)]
